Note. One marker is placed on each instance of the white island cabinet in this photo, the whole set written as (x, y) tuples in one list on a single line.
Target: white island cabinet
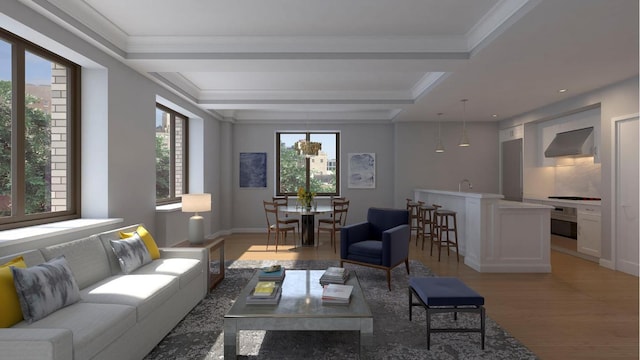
[(497, 235)]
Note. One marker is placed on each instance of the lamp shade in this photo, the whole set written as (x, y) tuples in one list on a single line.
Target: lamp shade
[(196, 202)]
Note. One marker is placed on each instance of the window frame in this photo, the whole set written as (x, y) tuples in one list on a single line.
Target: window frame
[(308, 135), (18, 217), (173, 199)]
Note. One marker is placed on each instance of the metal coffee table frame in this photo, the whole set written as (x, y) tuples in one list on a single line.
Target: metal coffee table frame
[(300, 308)]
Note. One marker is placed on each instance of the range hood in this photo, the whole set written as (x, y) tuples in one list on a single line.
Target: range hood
[(573, 143)]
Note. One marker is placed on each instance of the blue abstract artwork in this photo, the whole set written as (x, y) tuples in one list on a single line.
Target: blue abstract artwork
[(362, 170), (253, 170)]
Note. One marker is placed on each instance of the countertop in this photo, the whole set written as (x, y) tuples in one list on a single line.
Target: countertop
[(463, 193), (505, 204), (574, 203)]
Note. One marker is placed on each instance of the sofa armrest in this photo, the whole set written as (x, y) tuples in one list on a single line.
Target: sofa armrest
[(185, 253), (395, 245), (36, 344), (352, 234)]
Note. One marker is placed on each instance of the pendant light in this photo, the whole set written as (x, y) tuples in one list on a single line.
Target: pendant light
[(439, 146), (306, 147), (464, 139)]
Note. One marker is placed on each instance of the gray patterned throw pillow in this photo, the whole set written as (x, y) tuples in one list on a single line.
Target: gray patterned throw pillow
[(45, 288), (131, 253)]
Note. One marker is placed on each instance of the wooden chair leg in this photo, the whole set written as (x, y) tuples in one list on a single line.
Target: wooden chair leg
[(389, 279), (268, 238), (406, 264)]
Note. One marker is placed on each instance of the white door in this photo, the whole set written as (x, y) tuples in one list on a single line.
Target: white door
[(626, 195)]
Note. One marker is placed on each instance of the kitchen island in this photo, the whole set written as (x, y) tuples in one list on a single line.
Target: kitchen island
[(495, 235)]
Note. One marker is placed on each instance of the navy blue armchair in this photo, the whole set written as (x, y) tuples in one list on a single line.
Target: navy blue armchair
[(381, 242)]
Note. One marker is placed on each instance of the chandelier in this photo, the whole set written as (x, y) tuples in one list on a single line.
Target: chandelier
[(308, 148)]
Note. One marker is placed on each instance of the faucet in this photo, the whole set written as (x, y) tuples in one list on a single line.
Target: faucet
[(462, 182)]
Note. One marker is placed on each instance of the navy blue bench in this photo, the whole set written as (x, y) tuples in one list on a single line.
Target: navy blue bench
[(446, 294)]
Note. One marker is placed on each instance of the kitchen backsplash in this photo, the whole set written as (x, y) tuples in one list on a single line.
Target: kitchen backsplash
[(569, 177), (579, 177)]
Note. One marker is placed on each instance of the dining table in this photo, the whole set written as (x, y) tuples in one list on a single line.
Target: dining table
[(307, 218)]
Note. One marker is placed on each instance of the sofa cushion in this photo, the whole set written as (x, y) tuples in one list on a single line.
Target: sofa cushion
[(371, 248), (45, 288), (94, 326), (10, 312), (87, 259), (131, 253), (368, 251), (148, 240), (30, 257), (143, 291), (185, 269)]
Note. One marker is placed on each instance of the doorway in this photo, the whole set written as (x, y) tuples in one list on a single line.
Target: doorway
[(624, 221)]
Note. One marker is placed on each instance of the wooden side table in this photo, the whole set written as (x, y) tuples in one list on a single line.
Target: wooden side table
[(212, 245)]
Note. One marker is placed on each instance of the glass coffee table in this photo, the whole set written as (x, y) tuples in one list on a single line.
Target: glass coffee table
[(300, 308)]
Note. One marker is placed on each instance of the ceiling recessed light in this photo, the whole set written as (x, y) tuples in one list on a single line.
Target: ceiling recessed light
[(562, 90), (494, 115)]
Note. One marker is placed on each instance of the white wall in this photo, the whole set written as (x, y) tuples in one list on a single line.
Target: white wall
[(417, 165), (615, 100)]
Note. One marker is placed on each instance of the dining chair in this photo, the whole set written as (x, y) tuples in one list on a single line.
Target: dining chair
[(334, 223), (284, 202), (274, 224), (332, 199)]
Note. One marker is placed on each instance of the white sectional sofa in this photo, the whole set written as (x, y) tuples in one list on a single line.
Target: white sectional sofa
[(118, 316)]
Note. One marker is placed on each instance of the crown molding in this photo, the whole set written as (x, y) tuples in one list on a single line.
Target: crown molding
[(81, 18)]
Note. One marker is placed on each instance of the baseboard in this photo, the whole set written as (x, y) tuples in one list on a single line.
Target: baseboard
[(607, 264)]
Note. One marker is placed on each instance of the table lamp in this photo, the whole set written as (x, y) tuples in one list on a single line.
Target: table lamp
[(196, 203)]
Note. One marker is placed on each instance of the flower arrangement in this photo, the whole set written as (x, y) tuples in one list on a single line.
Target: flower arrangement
[(305, 197)]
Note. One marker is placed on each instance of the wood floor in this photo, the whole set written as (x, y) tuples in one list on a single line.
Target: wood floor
[(579, 311)]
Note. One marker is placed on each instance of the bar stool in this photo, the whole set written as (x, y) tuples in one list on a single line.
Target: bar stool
[(414, 216), (427, 223), (443, 228)]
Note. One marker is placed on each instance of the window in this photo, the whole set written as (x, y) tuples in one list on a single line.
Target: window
[(39, 141), (171, 155), (312, 172)]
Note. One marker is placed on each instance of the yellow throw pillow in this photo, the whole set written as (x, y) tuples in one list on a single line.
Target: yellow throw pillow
[(147, 239), (10, 311)]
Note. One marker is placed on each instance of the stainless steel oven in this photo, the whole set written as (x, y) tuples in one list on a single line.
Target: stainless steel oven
[(564, 221)]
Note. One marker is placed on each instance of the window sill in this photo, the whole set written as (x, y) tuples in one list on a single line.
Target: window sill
[(169, 208)]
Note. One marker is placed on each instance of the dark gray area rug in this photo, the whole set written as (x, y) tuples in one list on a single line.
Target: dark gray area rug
[(199, 335)]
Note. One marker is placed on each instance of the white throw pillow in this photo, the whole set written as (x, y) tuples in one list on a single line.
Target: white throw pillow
[(131, 253), (45, 288)]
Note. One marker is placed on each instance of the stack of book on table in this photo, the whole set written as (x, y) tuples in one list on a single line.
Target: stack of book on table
[(336, 294), (265, 292), (334, 275), (272, 273)]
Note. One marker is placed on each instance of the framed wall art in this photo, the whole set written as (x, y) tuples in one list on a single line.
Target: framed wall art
[(253, 169), (362, 170)]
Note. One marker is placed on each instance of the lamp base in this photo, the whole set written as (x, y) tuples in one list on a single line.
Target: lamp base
[(196, 229)]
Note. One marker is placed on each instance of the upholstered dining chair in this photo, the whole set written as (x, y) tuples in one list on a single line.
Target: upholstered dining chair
[(283, 201), (334, 223), (381, 242), (274, 224)]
